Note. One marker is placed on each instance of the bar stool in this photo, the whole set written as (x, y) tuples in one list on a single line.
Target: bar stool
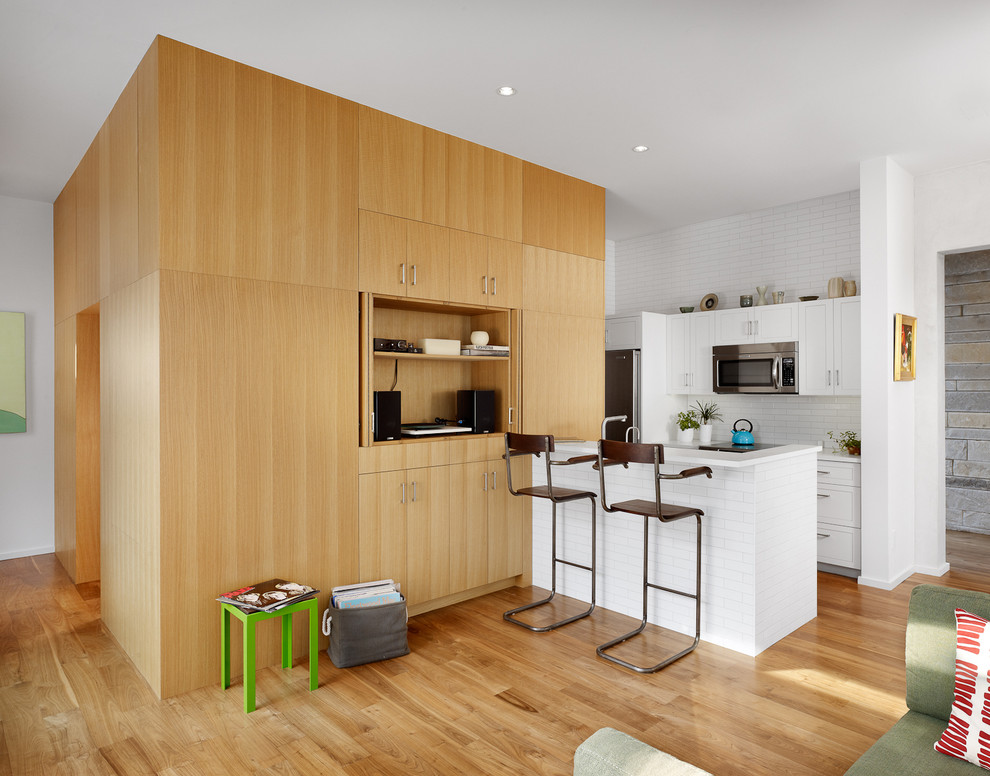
[(609, 453), (537, 444)]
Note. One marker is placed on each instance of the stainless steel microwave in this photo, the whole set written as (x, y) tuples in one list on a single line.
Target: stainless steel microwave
[(767, 367)]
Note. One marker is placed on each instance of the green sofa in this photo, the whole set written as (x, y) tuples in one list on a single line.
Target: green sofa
[(930, 656)]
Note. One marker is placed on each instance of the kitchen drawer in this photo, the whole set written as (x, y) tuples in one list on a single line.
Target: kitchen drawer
[(838, 545), (838, 473), (839, 505)]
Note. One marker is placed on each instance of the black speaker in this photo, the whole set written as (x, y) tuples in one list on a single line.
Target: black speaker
[(476, 410), (388, 415)]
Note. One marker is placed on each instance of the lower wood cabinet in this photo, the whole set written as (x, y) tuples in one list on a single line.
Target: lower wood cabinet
[(442, 530)]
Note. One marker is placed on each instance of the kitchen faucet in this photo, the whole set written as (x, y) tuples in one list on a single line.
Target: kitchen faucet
[(609, 420)]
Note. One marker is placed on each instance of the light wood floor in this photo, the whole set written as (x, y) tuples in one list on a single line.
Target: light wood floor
[(476, 696)]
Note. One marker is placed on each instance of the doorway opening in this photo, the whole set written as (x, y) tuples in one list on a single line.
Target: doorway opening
[(967, 391)]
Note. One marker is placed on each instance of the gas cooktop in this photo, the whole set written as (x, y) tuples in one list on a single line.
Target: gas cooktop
[(730, 448)]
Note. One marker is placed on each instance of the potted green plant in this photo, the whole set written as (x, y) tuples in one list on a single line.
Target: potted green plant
[(848, 440), (706, 414), (686, 424)]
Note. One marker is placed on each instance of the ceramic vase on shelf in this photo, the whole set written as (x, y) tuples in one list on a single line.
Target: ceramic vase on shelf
[(849, 288), (763, 299), (705, 434), (835, 288), (479, 337), (685, 435)]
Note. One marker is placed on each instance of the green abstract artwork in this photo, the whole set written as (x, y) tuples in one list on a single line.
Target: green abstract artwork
[(13, 395)]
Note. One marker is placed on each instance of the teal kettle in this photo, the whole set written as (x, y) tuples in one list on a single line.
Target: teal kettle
[(742, 437)]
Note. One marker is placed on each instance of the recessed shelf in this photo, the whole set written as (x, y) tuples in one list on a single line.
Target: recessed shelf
[(433, 357)]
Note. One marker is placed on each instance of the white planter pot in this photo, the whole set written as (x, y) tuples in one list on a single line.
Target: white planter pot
[(705, 434), (685, 435)]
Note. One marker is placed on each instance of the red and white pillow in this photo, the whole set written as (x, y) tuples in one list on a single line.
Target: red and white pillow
[(968, 734)]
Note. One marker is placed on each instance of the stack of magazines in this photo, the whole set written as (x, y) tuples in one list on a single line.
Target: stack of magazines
[(486, 350), (382, 591), (268, 595)]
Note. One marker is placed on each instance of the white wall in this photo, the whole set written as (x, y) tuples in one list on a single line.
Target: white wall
[(951, 214), (889, 493), (27, 479), (795, 247)]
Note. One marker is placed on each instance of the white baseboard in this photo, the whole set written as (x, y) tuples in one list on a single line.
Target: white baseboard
[(25, 553)]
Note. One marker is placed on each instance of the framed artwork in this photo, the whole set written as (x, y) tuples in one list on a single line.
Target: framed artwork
[(905, 346), (13, 395)]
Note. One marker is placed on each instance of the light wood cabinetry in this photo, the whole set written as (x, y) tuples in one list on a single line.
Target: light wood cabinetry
[(829, 353), (558, 282), (563, 213), (485, 270), (484, 190), (563, 375), (689, 353), (403, 167), (766, 323), (469, 524), (509, 544), (402, 257)]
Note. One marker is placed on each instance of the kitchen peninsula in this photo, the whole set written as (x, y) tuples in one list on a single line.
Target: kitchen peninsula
[(759, 560)]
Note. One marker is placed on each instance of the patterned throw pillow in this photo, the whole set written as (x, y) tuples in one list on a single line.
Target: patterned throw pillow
[(968, 734)]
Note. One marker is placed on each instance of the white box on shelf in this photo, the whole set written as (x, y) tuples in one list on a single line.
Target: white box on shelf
[(441, 347)]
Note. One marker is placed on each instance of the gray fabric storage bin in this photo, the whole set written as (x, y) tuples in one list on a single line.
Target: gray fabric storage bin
[(368, 634)]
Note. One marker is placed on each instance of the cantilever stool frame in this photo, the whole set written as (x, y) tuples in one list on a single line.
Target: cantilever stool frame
[(609, 453), (543, 444)]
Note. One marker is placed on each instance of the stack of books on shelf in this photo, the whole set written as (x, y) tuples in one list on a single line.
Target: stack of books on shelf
[(363, 594), (485, 350), (267, 596)]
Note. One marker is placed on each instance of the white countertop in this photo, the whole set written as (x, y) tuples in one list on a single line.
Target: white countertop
[(839, 455), (675, 452)]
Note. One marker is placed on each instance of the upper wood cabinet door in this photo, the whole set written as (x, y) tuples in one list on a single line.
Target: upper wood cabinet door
[(563, 213), (382, 252), (469, 281), (402, 167), (428, 261), (557, 282), (505, 273), (484, 190)]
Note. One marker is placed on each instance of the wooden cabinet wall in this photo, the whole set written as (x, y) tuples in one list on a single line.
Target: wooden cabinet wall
[(215, 220)]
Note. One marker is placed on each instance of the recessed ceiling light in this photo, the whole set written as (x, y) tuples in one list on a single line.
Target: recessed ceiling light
[(640, 149), (506, 91)]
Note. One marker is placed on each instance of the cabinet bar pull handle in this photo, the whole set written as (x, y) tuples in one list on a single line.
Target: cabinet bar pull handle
[(486, 481), (821, 472), (824, 495), (414, 274), (403, 499), (494, 285), (484, 279), (829, 373), (414, 490), (836, 378), (510, 416), (403, 265), (494, 480), (823, 536), (756, 328)]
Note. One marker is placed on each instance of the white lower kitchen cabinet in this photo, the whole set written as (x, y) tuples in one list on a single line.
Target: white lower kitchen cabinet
[(839, 514)]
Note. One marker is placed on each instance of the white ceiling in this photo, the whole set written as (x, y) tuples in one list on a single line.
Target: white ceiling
[(745, 104)]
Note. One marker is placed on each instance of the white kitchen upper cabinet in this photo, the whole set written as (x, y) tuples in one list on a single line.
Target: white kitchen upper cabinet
[(828, 349), (846, 330), (766, 323), (624, 333), (689, 353)]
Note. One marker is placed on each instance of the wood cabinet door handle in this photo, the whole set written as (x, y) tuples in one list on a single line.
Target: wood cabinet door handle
[(494, 481), (484, 283), (486, 482), (403, 267), (402, 500), (494, 286), (414, 491), (414, 274)]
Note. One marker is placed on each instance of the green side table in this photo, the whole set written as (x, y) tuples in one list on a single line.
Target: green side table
[(249, 619)]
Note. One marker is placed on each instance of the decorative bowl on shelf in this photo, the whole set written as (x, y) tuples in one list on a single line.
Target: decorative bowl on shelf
[(807, 298), (687, 309)]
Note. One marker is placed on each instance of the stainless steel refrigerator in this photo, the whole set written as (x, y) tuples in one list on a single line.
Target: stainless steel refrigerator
[(622, 393)]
